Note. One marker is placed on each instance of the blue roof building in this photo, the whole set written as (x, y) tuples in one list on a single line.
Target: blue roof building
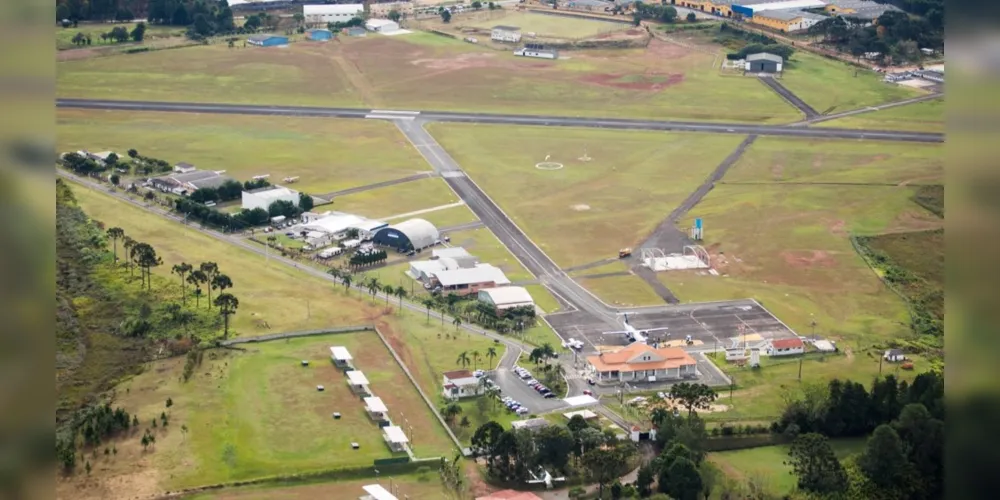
[(319, 34), (268, 40)]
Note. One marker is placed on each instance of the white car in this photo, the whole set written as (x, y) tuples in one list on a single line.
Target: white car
[(523, 411)]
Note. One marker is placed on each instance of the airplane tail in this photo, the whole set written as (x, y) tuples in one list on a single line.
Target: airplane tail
[(626, 319)]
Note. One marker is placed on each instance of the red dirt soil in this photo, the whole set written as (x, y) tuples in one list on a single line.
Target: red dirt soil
[(807, 258), (609, 80)]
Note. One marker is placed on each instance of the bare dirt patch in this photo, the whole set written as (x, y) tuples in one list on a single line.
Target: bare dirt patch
[(471, 60), (808, 258), (652, 82), (838, 228), (580, 207)]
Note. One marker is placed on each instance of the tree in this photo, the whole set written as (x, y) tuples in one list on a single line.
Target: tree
[(923, 439), (884, 461), (180, 16), (115, 233), (817, 468), (450, 412), (464, 422), (181, 270), (115, 179), (227, 304), (394, 16), (139, 32), (133, 153), (636, 19), (446, 15), (252, 24), (555, 446), (299, 18), (197, 278), (491, 354), (210, 270), (484, 441), (145, 257), (684, 482), (603, 465), (429, 304), (170, 402), (710, 476), (644, 480), (305, 202), (477, 5), (373, 287), (691, 17), (669, 14), (693, 396), (463, 359), (221, 282)]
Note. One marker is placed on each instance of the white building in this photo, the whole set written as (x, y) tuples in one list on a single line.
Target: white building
[(894, 356), (507, 297), (336, 225), (183, 168), (786, 347), (376, 492), (376, 408), (341, 358), (322, 14), (263, 198), (537, 53), (395, 437), (358, 382), (505, 34), (470, 280), (461, 384), (381, 25), (458, 254)]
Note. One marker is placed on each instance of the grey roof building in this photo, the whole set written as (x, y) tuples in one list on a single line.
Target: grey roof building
[(765, 56)]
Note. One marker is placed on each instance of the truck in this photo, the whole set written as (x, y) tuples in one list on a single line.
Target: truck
[(624, 253)]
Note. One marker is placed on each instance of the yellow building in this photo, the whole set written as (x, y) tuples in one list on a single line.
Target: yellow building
[(786, 21), (718, 8), (381, 10)]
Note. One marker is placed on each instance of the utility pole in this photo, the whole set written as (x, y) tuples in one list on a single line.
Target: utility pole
[(880, 358), (800, 369), (732, 385)]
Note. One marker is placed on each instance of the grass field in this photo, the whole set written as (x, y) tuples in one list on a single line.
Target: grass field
[(64, 36), (303, 73), (768, 463), (624, 291), (326, 154), (927, 116), (830, 86), (398, 199), (588, 210), (788, 247), (541, 24), (449, 217), (417, 486), (424, 71), (776, 160)]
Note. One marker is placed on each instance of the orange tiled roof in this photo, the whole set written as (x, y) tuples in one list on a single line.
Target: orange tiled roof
[(673, 357), (510, 495), (787, 343)]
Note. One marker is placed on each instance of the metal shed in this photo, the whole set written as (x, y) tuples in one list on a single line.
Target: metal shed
[(412, 234), (763, 63)]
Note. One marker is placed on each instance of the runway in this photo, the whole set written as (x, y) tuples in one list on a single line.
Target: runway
[(505, 119)]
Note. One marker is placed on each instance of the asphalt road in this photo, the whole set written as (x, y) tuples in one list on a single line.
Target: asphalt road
[(506, 119), (789, 96)]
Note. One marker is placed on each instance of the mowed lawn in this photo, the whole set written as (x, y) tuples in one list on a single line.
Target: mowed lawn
[(398, 199), (768, 463), (303, 73), (64, 36), (831, 86), (325, 154), (425, 486), (777, 160), (659, 81), (788, 246), (450, 217), (621, 291), (927, 116), (587, 210), (541, 24)]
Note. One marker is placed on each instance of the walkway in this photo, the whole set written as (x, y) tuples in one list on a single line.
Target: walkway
[(789, 96)]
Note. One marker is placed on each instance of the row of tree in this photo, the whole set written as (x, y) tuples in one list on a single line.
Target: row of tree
[(367, 258), (656, 12), (895, 37), (119, 34)]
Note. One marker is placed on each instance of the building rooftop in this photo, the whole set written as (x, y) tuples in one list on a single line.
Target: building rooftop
[(374, 404), (765, 56), (357, 378), (530, 424), (461, 378), (395, 434), (451, 252), (482, 273), (510, 296), (340, 353), (782, 5), (789, 343), (319, 10), (585, 414), (510, 495), (506, 28), (581, 400), (788, 15), (421, 233), (631, 359), (335, 223), (377, 491), (266, 36)]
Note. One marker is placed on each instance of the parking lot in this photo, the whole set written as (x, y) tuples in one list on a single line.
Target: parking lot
[(709, 325)]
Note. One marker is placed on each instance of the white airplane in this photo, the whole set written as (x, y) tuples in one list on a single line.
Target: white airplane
[(633, 334)]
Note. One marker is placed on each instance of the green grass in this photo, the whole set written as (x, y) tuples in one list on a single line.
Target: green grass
[(417, 486), (768, 463), (64, 36), (776, 160), (927, 116), (303, 74), (326, 154), (588, 210), (543, 298), (399, 199), (493, 410), (623, 291), (450, 217), (831, 86), (789, 247), (543, 25)]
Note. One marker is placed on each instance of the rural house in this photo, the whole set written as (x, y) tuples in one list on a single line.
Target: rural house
[(786, 347), (461, 384), (894, 356)]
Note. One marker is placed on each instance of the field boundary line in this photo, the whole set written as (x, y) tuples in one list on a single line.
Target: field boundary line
[(863, 252), (296, 334)]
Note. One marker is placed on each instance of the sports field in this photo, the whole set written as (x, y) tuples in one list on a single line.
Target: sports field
[(830, 86), (541, 24), (303, 73), (768, 464), (399, 199), (928, 116), (325, 154), (819, 161), (788, 246), (587, 210)]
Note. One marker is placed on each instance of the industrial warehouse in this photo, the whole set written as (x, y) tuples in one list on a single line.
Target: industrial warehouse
[(789, 15)]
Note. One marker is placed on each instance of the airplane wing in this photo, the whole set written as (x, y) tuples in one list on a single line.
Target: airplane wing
[(654, 329), (620, 332)]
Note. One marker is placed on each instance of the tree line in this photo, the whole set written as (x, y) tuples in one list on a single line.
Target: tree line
[(118, 34), (895, 36)]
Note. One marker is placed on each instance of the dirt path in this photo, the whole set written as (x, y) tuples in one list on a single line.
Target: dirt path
[(358, 81)]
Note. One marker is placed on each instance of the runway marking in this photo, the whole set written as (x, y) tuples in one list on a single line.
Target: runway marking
[(389, 117), (391, 112)]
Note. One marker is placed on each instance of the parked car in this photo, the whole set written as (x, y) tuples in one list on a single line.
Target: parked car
[(522, 411), (549, 396), (588, 393), (591, 381), (478, 373)]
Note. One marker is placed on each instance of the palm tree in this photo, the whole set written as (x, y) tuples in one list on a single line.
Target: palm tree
[(401, 293), (211, 269), (428, 303), (451, 411), (197, 278), (493, 392), (373, 287), (180, 270), (457, 322), (491, 353), (227, 306), (128, 243), (476, 358), (347, 279), (221, 282), (115, 233), (463, 359)]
